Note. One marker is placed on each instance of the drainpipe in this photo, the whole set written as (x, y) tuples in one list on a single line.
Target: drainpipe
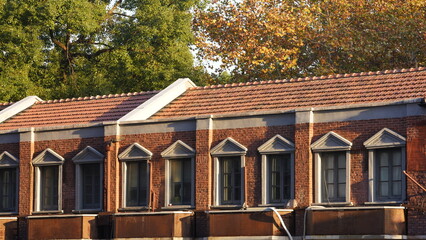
[(304, 218), (108, 149), (281, 221), (414, 181), (245, 205), (151, 192)]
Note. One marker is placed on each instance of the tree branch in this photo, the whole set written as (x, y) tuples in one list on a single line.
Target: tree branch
[(95, 54), (111, 11), (57, 42), (124, 15)]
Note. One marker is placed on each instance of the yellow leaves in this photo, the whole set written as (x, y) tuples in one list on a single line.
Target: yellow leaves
[(256, 36)]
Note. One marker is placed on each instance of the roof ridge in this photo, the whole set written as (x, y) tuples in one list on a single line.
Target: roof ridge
[(323, 77), (95, 97)]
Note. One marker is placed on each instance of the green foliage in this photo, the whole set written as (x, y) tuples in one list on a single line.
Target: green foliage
[(67, 48)]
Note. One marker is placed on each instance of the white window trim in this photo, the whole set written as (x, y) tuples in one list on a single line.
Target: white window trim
[(339, 144), (83, 157), (377, 141), (14, 163), (178, 150), (270, 148), (125, 158), (227, 148), (41, 161)]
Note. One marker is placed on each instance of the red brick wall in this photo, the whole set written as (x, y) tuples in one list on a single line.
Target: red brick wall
[(416, 168), (203, 140), (157, 143), (68, 149), (358, 132), (252, 138)]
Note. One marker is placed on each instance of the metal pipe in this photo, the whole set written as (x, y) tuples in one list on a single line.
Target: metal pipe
[(414, 180), (282, 222)]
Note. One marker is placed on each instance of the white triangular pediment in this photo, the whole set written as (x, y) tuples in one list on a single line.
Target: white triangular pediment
[(275, 145), (177, 150), (228, 147), (48, 157), (385, 138), (135, 152), (331, 142), (88, 155), (8, 160)]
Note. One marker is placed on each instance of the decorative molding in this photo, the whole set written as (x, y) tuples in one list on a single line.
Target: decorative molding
[(331, 142), (178, 149), (276, 144), (88, 155), (48, 157), (228, 147), (385, 138), (135, 152), (160, 100), (8, 160)]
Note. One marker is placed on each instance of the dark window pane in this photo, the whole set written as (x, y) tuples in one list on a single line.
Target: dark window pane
[(49, 188), (388, 164), (333, 176), (279, 180), (180, 181), (91, 183), (136, 184), (8, 189), (230, 180)]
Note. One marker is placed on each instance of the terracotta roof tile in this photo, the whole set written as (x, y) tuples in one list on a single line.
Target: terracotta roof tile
[(340, 89), (77, 110)]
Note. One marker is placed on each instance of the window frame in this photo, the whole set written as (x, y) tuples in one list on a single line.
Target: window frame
[(227, 148), (47, 158), (88, 155), (178, 150), (135, 153), (383, 139), (8, 161), (277, 145), (331, 142)]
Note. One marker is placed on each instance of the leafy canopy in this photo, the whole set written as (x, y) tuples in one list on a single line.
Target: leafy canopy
[(68, 48), (274, 39)]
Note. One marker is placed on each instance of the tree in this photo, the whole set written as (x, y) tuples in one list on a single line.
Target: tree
[(72, 48), (275, 39), (258, 39), (360, 35)]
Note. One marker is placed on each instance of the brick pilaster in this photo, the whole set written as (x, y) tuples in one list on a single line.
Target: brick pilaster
[(26, 180), (203, 174), (303, 166)]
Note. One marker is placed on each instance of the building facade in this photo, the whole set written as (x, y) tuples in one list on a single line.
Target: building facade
[(333, 157)]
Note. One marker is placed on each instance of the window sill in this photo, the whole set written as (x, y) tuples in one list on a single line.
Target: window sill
[(8, 213), (232, 207), (87, 211), (133, 209), (48, 212), (177, 207), (334, 204), (276, 205), (393, 203)]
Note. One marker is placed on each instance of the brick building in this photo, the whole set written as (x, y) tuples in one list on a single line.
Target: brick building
[(328, 156)]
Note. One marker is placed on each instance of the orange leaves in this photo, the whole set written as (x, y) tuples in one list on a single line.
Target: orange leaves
[(259, 38), (273, 39)]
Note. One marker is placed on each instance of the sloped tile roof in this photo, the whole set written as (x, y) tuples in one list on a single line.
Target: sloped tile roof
[(77, 110), (333, 90)]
